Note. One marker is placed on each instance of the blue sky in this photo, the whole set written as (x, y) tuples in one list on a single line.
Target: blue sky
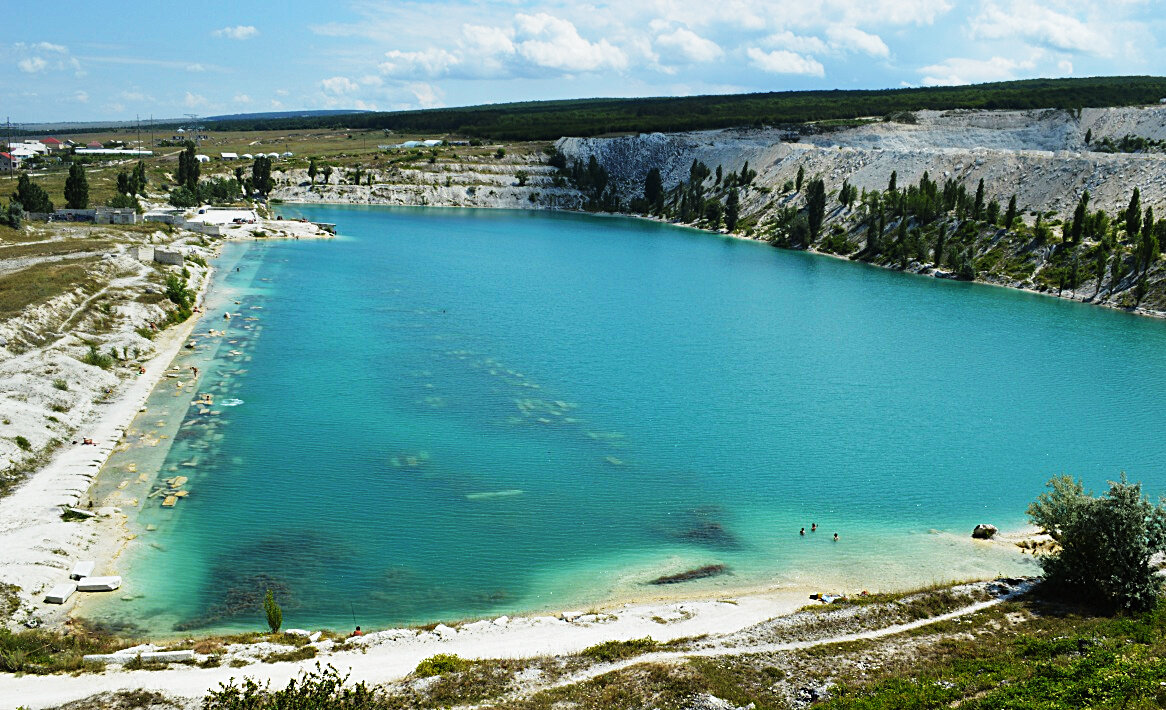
[(99, 61)]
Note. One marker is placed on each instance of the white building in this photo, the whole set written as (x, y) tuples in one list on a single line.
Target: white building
[(202, 158), (229, 156)]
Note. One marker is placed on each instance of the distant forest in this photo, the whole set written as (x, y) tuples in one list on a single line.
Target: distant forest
[(546, 120)]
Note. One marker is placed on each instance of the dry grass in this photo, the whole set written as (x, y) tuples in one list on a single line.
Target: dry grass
[(41, 282)]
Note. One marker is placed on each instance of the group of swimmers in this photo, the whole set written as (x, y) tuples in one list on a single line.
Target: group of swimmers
[(814, 528)]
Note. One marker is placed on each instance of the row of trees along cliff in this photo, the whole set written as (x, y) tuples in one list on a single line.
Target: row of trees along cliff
[(952, 230)]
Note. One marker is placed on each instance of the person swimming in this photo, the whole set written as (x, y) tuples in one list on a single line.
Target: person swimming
[(814, 527), (803, 532), (835, 537)]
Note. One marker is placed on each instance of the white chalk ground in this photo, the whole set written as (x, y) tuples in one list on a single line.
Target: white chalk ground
[(40, 548), (213, 215), (391, 655)]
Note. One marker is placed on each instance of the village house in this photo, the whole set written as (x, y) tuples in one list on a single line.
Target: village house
[(9, 162)]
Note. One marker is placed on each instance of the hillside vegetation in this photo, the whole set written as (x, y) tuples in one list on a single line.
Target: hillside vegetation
[(548, 120)]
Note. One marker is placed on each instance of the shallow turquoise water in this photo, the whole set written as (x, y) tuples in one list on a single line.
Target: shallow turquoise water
[(455, 413)]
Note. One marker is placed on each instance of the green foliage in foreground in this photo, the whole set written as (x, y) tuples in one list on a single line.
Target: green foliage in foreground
[(1107, 663), (545, 120), (322, 689), (440, 664), (1106, 543)]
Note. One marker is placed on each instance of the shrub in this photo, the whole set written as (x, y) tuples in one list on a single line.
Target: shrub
[(321, 689), (97, 359), (440, 664), (23, 443), (60, 384), (615, 650), (274, 613), (1106, 543)]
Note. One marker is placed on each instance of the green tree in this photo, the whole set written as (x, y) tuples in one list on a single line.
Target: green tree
[(732, 209), (182, 196), (1010, 214), (978, 205), (327, 173), (123, 184), (1076, 227), (892, 184), (12, 215), (654, 190), (713, 212), (522, 177), (274, 613), (720, 174), (261, 178), (500, 153), (139, 180), (815, 206), (189, 169), (1134, 216), (940, 242), (31, 196), (76, 188), (312, 170), (800, 179), (1105, 543)]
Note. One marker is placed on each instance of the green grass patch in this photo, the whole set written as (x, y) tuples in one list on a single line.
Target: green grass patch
[(440, 664), (614, 650)]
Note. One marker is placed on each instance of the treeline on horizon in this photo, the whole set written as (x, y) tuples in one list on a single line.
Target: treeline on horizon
[(548, 120)]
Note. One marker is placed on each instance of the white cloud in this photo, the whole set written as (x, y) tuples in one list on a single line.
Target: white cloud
[(796, 43), (781, 61), (81, 97), (276, 103), (50, 47), (684, 45), (32, 65), (237, 32), (339, 86), (1040, 25), (281, 92), (959, 70), (433, 61), (851, 39), (1065, 67), (242, 99), (427, 96), (554, 43), (193, 100)]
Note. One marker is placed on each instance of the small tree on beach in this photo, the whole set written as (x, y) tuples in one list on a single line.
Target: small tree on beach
[(327, 173), (312, 170), (1106, 543), (274, 613)]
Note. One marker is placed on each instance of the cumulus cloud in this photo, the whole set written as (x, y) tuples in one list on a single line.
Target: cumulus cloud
[(427, 96), (781, 61), (684, 45), (959, 70), (242, 99), (554, 43), (41, 57), (433, 61), (236, 32), (81, 97), (796, 43), (339, 86), (852, 39), (1039, 25), (193, 100), (32, 65)]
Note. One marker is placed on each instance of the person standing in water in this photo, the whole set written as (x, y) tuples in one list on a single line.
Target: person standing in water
[(803, 532), (835, 537)]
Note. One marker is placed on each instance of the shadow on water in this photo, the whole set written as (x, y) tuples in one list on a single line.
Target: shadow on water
[(701, 526), (240, 577)]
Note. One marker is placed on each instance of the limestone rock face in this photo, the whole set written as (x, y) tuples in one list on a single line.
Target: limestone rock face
[(984, 531)]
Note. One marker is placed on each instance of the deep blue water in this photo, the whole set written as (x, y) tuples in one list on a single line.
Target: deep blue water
[(453, 413)]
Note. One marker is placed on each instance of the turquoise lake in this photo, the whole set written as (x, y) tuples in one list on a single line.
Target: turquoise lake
[(445, 414)]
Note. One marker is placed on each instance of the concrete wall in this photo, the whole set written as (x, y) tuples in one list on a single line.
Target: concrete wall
[(162, 256)]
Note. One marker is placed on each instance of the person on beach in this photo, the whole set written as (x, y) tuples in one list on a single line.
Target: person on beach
[(358, 632)]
